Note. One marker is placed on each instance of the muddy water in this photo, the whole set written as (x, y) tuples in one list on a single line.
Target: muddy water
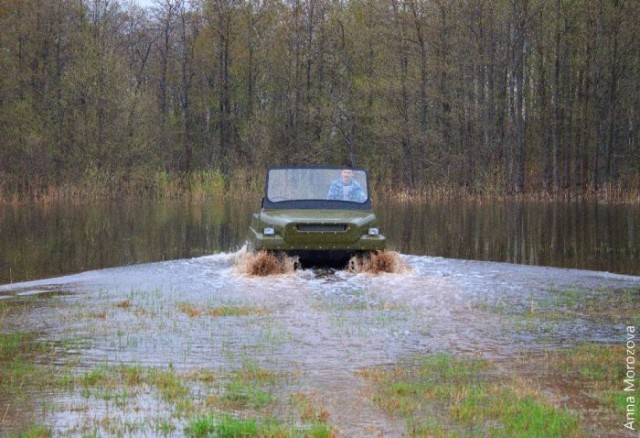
[(319, 328)]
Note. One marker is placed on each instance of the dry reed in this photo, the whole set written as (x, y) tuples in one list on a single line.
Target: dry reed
[(200, 185)]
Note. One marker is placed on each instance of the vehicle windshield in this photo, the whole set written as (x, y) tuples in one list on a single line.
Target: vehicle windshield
[(349, 185)]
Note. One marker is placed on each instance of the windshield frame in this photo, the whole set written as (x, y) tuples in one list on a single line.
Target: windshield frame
[(317, 203)]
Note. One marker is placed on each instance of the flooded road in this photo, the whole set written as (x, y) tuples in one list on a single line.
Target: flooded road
[(314, 332)]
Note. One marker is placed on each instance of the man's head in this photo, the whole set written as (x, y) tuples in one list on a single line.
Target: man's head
[(347, 176)]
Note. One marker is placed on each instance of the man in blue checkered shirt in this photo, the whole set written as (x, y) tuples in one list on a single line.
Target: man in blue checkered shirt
[(346, 189)]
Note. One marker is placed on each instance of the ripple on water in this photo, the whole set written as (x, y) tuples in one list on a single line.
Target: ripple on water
[(322, 325)]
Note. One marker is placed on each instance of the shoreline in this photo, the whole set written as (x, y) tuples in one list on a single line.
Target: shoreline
[(211, 184)]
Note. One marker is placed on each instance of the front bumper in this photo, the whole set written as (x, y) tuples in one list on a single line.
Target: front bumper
[(278, 243)]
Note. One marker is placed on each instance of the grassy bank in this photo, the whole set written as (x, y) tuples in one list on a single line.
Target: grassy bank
[(442, 395), (204, 184)]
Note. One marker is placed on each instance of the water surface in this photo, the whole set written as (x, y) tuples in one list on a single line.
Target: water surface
[(127, 275), (319, 328), (39, 241)]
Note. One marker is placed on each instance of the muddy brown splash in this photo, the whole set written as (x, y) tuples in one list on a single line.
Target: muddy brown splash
[(379, 262), (264, 263)]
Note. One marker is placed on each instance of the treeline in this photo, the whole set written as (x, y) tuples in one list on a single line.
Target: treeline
[(503, 96)]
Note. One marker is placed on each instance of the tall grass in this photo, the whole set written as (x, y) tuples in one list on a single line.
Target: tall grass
[(96, 184), (492, 184), (206, 183), (202, 184)]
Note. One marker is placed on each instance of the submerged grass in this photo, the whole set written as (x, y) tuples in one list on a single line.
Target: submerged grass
[(615, 306), (467, 396), (204, 402), (241, 394), (590, 377), (310, 410), (104, 378), (21, 375), (249, 387), (611, 305), (18, 367), (194, 311), (600, 369)]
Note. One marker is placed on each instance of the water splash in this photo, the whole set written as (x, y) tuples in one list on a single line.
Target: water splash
[(265, 263), (379, 262)]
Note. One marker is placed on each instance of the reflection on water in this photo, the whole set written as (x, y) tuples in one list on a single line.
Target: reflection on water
[(44, 241), (564, 234)]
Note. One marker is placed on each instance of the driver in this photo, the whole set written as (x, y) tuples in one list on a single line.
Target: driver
[(345, 188)]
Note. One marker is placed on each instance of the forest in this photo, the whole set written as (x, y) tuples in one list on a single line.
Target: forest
[(481, 96)]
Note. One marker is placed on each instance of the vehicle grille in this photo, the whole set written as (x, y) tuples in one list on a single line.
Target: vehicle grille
[(321, 228)]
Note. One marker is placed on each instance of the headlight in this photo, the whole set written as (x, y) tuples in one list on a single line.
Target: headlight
[(269, 231), (374, 231)]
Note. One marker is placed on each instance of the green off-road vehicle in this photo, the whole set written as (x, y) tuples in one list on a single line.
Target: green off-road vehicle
[(322, 215)]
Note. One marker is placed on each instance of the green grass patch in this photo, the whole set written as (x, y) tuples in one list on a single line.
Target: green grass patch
[(20, 346), (11, 345), (20, 376), (242, 394), (19, 369), (248, 388), (33, 431), (598, 367), (167, 382), (467, 396), (227, 426), (591, 377)]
